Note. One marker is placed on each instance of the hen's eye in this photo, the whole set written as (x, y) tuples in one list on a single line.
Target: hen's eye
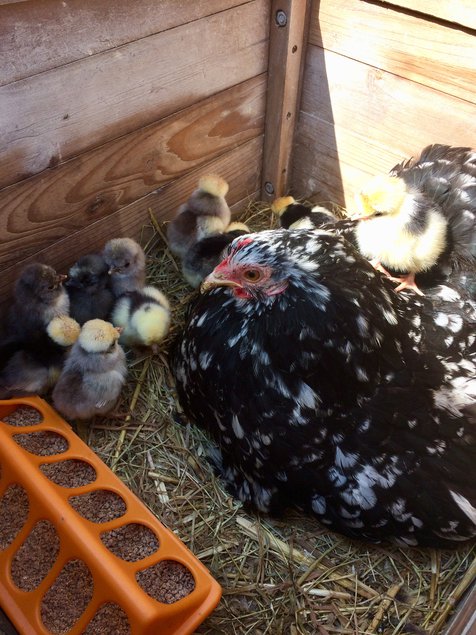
[(252, 275)]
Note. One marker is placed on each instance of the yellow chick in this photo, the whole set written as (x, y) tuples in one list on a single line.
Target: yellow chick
[(144, 316), (63, 330), (399, 228)]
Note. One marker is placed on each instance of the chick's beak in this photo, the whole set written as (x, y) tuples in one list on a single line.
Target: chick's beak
[(217, 279), (119, 329), (60, 278)]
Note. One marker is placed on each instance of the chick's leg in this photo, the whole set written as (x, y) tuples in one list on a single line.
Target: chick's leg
[(376, 264), (404, 282), (407, 282)]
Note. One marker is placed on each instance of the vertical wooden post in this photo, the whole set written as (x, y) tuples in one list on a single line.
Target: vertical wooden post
[(289, 26)]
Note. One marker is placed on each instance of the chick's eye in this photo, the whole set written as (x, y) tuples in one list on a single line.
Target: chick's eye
[(126, 264), (252, 275)]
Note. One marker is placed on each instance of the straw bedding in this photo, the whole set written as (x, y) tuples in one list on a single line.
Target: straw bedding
[(287, 576)]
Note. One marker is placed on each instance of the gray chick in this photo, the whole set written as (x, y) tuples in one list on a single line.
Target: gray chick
[(126, 261), (94, 373), (89, 291), (205, 213), (38, 297)]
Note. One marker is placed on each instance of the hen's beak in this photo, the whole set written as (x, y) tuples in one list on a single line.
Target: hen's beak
[(215, 279)]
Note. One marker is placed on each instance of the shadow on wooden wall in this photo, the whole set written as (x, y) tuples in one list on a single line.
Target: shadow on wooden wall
[(316, 173)]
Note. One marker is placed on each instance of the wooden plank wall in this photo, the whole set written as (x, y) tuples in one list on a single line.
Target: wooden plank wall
[(381, 81), (111, 107)]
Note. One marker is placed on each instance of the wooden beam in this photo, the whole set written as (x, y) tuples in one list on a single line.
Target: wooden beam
[(288, 36)]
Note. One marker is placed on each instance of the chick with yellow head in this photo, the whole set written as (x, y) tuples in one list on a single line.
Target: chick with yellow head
[(400, 228)]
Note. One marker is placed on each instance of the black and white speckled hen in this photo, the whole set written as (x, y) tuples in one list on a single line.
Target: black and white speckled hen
[(326, 390)]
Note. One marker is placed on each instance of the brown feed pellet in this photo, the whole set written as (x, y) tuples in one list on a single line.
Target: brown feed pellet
[(109, 619), (167, 581), (24, 416), (99, 506), (67, 598), (43, 443), (36, 556), (14, 507), (69, 473), (131, 542)]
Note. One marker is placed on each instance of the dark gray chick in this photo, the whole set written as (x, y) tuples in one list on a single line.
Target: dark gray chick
[(93, 374), (38, 297), (30, 366), (205, 213), (205, 254), (126, 261), (89, 291)]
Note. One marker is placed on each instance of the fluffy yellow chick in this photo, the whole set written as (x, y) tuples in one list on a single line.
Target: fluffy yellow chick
[(144, 316), (399, 228), (63, 330)]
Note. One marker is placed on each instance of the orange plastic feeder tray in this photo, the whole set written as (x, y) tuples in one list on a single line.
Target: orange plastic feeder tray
[(114, 579)]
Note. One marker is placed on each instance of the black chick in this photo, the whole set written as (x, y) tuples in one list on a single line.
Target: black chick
[(88, 288), (31, 365), (206, 212), (38, 297), (325, 390), (205, 254), (294, 215), (126, 261)]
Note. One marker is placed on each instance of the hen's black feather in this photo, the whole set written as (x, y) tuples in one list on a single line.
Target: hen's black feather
[(337, 395)]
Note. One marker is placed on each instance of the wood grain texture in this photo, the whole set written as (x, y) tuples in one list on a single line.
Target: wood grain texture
[(458, 11), (286, 53), (53, 116), (431, 54), (37, 36), (241, 167), (358, 121), (62, 200), (463, 621), (330, 163), (403, 115)]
